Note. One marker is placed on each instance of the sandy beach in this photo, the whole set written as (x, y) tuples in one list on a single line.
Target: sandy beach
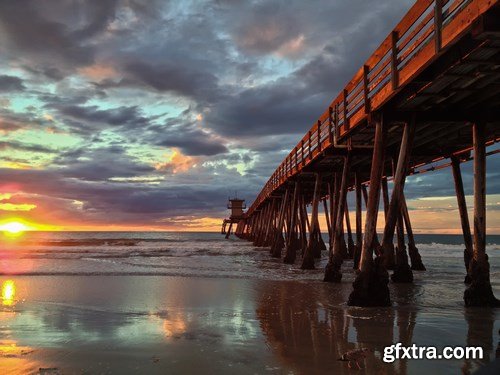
[(158, 325)]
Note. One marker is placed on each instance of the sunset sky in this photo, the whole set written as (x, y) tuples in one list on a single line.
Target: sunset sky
[(115, 115)]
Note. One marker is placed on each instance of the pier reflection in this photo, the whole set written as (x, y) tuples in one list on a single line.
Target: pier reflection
[(480, 322), (310, 337)]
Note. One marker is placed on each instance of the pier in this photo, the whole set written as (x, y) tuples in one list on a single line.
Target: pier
[(428, 95)]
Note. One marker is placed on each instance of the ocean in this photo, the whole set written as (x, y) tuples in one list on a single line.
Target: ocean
[(157, 302), (189, 254)]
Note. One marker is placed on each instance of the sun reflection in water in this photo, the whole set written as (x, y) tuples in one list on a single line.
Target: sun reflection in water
[(174, 326), (8, 293)]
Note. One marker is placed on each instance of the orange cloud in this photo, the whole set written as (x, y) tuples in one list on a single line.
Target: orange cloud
[(177, 162), (98, 71)]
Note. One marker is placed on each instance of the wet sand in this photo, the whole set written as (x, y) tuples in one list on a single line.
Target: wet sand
[(158, 325)]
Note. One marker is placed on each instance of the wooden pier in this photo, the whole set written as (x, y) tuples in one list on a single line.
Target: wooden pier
[(429, 94)]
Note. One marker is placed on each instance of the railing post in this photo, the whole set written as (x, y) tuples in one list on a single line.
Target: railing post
[(394, 60), (302, 151), (296, 163), (319, 135), (346, 121), (309, 144), (336, 122), (330, 125), (438, 23), (366, 88)]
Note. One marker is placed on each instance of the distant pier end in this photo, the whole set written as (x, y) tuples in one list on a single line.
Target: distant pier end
[(237, 216)]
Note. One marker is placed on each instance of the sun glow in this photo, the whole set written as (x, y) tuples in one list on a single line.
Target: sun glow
[(14, 227)]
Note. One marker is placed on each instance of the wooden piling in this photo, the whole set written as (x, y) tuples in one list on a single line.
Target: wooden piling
[(229, 230), (359, 236), (335, 259), (389, 255), (464, 217), (308, 258), (332, 191), (402, 270), (278, 238), (303, 224), (350, 241), (370, 287), (327, 215), (415, 258), (395, 203), (376, 243), (292, 241), (479, 292), (267, 241)]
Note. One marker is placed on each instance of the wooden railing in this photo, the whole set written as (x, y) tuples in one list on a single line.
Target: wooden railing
[(422, 34)]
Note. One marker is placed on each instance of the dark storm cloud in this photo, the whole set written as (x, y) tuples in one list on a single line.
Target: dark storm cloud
[(55, 36), (115, 116), (9, 83), (179, 77), (100, 164), (195, 143)]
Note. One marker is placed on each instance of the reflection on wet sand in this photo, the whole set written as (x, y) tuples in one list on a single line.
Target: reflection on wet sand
[(479, 333), (310, 337), (174, 326), (14, 358), (8, 293), (182, 325), (134, 325)]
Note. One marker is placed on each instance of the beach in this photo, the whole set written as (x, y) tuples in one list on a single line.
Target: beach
[(80, 318)]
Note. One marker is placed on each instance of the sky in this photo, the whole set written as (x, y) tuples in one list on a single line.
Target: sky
[(147, 115)]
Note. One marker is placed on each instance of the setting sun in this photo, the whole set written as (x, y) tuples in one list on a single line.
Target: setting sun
[(13, 227)]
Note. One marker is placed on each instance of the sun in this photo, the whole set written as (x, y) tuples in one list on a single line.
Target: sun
[(13, 227)]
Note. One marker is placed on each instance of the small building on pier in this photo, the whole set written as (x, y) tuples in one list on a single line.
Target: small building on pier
[(236, 206)]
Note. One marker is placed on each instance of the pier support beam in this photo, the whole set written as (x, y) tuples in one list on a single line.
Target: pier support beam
[(308, 258), (302, 225), (402, 270), (278, 242), (350, 241), (397, 191), (293, 243), (359, 235), (327, 214), (370, 286), (269, 228), (464, 217), (479, 293), (415, 258), (376, 243), (388, 250), (228, 233), (332, 270)]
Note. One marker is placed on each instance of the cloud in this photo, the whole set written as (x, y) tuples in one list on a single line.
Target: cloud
[(148, 113), (177, 77), (195, 143), (14, 145), (10, 83)]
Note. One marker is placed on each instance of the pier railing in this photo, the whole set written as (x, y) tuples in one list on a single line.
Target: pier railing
[(428, 28)]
